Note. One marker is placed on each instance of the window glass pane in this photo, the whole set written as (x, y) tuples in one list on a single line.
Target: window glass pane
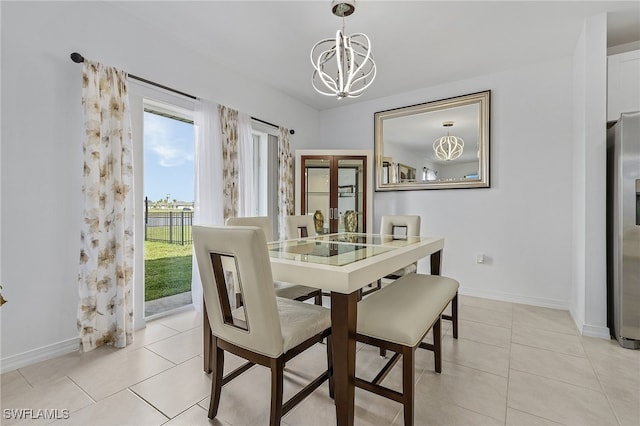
[(168, 209)]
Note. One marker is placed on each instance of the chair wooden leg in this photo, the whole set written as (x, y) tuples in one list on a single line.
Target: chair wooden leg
[(383, 352), (277, 371), (206, 330), (318, 298), (437, 345), (454, 315), (216, 378), (330, 368), (408, 383)]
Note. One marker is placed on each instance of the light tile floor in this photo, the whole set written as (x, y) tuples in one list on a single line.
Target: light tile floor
[(512, 365)]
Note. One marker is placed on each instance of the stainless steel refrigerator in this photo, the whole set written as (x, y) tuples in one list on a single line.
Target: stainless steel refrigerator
[(623, 229)]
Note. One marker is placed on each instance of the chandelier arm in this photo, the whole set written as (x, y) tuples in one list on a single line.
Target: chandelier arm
[(326, 78), (321, 89), (353, 40), (340, 46), (364, 77), (350, 68), (319, 67)]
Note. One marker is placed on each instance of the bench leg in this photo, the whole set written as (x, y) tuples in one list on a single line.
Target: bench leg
[(437, 345), (408, 383), (454, 315)]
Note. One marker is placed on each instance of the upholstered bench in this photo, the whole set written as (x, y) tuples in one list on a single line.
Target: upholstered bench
[(397, 318)]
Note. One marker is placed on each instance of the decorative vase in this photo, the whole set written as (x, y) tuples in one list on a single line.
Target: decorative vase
[(318, 220), (350, 221)]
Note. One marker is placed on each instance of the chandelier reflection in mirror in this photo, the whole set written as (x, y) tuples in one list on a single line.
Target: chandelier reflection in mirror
[(448, 147), (343, 66)]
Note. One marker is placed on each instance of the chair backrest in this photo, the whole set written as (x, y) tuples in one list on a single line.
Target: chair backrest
[(256, 325), (400, 225), (299, 226), (263, 222)]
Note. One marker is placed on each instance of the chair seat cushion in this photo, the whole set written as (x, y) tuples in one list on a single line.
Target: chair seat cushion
[(298, 320), (405, 310), (292, 291)]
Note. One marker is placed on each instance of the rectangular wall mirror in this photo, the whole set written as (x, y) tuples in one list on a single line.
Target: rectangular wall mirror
[(435, 145)]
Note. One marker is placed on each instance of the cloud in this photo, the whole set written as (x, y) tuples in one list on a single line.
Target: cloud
[(169, 142)]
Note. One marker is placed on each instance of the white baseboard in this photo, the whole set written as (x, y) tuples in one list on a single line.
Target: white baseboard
[(513, 298), (590, 330), (596, 331), (583, 329), (44, 353)]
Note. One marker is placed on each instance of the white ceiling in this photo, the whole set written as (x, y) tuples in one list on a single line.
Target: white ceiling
[(415, 43)]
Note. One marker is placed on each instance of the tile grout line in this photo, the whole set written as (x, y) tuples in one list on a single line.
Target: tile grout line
[(95, 401), (151, 405), (506, 402), (604, 392)]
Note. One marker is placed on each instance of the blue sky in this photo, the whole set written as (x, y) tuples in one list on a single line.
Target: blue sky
[(168, 158)]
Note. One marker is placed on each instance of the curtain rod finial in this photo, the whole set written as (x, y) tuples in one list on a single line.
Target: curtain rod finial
[(291, 132), (77, 58)]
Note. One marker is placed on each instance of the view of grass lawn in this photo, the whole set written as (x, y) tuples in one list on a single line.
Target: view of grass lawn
[(167, 269)]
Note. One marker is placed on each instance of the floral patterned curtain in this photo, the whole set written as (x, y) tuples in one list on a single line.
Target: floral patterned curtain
[(229, 129), (285, 179), (105, 278)]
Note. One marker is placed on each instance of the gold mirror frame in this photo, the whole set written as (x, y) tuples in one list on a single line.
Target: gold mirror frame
[(404, 140)]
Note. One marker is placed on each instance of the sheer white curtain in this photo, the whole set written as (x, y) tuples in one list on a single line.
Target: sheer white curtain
[(208, 194), (247, 193)]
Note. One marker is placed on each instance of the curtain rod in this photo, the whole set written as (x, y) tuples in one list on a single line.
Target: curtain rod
[(78, 59)]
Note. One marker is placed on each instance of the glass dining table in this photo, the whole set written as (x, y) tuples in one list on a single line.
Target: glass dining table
[(342, 264)]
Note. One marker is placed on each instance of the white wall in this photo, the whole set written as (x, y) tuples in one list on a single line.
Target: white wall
[(42, 149), (523, 222), (528, 224), (589, 290)]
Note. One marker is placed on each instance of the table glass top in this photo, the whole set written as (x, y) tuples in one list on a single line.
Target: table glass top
[(337, 249), (369, 239)]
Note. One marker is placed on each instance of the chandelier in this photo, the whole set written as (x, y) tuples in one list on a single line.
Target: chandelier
[(448, 147), (343, 66)]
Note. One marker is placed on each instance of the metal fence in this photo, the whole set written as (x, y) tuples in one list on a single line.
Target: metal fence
[(169, 226)]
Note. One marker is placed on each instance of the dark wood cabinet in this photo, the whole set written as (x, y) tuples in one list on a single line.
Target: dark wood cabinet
[(333, 188)]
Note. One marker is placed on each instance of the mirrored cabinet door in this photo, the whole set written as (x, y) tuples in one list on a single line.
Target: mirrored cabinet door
[(317, 192), (333, 191), (351, 194)]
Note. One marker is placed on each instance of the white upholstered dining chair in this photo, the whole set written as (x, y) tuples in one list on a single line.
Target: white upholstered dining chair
[(287, 290), (266, 330), (299, 227), (401, 226)]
